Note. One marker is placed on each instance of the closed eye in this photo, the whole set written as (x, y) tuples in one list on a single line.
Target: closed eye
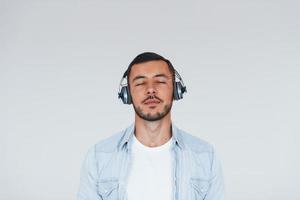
[(139, 84)]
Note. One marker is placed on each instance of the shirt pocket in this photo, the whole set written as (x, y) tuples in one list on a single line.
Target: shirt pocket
[(109, 189), (199, 188)]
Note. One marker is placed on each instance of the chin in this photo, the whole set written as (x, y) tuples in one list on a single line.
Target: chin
[(154, 109)]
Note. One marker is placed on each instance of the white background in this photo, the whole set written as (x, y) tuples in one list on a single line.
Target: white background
[(61, 63)]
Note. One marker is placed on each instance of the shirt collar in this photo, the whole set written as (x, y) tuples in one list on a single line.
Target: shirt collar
[(128, 133)]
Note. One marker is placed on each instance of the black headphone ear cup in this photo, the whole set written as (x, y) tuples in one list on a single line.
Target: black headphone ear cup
[(179, 89), (125, 95), (129, 99)]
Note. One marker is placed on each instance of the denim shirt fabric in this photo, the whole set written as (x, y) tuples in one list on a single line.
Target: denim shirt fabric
[(197, 173)]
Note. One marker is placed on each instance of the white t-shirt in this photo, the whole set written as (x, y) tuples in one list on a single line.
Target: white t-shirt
[(150, 175)]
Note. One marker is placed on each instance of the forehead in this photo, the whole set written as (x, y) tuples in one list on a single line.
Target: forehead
[(150, 69)]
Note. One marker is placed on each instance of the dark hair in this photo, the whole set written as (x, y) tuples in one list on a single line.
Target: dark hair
[(145, 57)]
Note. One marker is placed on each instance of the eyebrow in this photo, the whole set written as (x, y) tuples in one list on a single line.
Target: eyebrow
[(138, 77), (160, 75), (141, 77)]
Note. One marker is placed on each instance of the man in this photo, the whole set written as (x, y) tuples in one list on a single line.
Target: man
[(151, 159)]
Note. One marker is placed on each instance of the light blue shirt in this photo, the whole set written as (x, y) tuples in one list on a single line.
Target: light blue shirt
[(196, 171)]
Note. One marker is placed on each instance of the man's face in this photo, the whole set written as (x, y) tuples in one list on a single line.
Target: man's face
[(151, 88)]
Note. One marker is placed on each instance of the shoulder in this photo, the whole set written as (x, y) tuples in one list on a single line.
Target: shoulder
[(194, 143), (111, 143)]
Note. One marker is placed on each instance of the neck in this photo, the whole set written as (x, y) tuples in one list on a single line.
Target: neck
[(153, 133)]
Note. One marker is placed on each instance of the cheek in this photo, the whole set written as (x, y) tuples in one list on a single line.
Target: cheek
[(167, 93), (136, 95)]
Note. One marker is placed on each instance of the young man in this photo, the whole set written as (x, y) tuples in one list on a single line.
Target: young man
[(152, 159)]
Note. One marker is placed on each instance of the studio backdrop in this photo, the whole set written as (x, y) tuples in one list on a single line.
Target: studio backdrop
[(60, 67)]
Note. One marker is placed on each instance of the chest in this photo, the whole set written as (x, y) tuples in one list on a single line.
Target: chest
[(178, 175), (150, 176)]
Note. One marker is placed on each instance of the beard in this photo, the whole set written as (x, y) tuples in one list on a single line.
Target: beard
[(152, 117)]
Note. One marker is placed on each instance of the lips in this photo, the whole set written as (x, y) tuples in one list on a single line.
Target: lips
[(151, 101)]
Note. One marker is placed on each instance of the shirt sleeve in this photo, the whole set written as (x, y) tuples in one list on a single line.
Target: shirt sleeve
[(88, 178), (216, 189)]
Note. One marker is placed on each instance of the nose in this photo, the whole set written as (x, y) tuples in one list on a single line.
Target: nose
[(151, 89)]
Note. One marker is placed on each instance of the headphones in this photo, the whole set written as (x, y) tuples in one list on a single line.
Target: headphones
[(178, 91)]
